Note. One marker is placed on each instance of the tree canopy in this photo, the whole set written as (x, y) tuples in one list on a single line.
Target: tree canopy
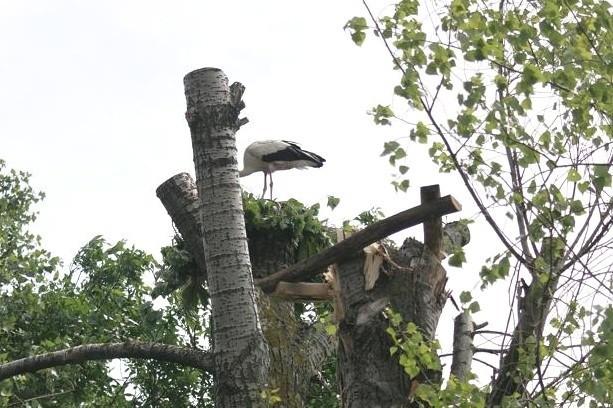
[(529, 133)]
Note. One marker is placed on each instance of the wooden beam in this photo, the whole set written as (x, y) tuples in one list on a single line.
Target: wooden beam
[(303, 291), (375, 232), (433, 228)]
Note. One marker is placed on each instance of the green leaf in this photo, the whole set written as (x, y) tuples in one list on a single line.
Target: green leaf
[(458, 258), (526, 104), (411, 328), (474, 307), (331, 329), (389, 147), (333, 202), (531, 75), (501, 82), (357, 25), (576, 207), (410, 366), (422, 132), (402, 185), (583, 187), (382, 114), (541, 198), (568, 222), (400, 153), (358, 37), (573, 175), (431, 69), (601, 178), (601, 171), (465, 297), (532, 187)]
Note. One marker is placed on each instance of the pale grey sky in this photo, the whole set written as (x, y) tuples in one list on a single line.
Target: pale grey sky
[(92, 104)]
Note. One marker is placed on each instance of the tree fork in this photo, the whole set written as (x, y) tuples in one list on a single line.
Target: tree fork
[(534, 309)]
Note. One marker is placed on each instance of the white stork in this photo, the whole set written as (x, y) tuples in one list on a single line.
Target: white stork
[(268, 156)]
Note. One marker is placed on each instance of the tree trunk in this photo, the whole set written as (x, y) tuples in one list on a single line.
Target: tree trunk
[(522, 356), (241, 355), (370, 376), (297, 350), (463, 349)]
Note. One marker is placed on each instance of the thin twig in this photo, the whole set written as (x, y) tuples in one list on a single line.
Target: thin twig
[(452, 154)]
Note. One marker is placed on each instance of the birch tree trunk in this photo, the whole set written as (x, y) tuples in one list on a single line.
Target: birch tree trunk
[(297, 349), (241, 355)]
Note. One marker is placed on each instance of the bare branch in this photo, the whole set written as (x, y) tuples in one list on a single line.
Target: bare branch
[(190, 357)]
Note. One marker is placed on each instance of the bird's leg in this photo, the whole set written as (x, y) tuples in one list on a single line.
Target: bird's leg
[(264, 191), (271, 186)]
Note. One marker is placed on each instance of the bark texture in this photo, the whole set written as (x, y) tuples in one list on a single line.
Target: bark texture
[(179, 196), (297, 350), (107, 351), (463, 333), (534, 308), (370, 376), (241, 355)]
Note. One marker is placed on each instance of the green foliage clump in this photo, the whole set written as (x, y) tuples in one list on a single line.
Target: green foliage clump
[(455, 393), (415, 353), (21, 257), (180, 272), (515, 99), (323, 390), (591, 381), (102, 298), (288, 222)]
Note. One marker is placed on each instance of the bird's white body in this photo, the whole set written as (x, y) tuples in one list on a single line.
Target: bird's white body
[(268, 156)]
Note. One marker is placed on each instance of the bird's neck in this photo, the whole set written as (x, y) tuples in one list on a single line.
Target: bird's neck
[(245, 172)]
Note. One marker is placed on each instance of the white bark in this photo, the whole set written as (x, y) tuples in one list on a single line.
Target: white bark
[(463, 332), (241, 358)]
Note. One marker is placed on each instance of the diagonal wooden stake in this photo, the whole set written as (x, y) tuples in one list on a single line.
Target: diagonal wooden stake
[(375, 232)]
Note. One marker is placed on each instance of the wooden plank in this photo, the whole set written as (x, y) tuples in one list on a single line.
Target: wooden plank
[(303, 291), (375, 232)]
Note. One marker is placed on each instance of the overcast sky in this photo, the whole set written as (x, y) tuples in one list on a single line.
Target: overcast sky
[(92, 104)]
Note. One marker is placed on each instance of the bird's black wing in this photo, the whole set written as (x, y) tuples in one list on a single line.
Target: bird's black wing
[(293, 152)]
